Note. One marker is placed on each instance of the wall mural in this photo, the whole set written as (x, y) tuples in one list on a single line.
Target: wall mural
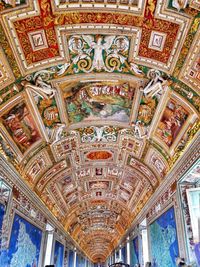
[(171, 122), (134, 251), (97, 101), (24, 247), (163, 240), (21, 126), (58, 254)]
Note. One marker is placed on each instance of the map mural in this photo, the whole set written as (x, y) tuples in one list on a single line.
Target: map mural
[(25, 243), (171, 122), (58, 254), (134, 251), (97, 101), (20, 125), (163, 240)]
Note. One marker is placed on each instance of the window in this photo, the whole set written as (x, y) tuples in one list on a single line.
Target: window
[(193, 196), (4, 191)]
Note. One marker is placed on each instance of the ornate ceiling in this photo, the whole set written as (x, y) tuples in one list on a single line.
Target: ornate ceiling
[(98, 101)]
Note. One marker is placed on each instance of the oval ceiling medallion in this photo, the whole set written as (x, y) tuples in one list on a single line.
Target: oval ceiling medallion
[(99, 155)]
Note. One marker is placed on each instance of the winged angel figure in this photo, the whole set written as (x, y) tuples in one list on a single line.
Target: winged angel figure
[(113, 46)]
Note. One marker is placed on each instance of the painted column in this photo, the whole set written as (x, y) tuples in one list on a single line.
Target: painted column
[(49, 244)]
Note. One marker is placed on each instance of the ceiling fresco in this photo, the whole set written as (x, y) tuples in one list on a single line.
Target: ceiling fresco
[(97, 107)]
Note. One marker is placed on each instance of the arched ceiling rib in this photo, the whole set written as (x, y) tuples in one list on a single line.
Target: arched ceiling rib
[(97, 106)]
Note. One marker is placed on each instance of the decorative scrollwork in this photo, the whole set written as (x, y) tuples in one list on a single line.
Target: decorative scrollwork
[(85, 64), (113, 63), (98, 52)]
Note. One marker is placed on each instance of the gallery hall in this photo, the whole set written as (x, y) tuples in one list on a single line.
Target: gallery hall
[(99, 133)]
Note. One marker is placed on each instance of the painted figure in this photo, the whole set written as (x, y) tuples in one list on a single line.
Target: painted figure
[(95, 101), (171, 122), (21, 126), (98, 62)]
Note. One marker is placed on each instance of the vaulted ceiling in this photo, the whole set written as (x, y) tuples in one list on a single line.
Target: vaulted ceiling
[(98, 101)]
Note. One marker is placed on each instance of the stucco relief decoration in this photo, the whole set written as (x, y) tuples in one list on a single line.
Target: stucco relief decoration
[(152, 94), (44, 96), (97, 53), (99, 134)]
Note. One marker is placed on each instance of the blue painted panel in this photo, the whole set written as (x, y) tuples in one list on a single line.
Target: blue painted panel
[(25, 243), (117, 254), (2, 212), (134, 251), (58, 254), (71, 258), (82, 262), (77, 260), (124, 254), (163, 240), (197, 252)]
